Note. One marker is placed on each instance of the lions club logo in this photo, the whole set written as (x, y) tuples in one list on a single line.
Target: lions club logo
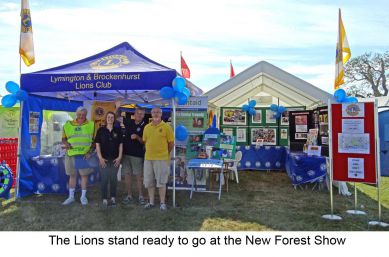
[(26, 21), (99, 112), (110, 62), (353, 109)]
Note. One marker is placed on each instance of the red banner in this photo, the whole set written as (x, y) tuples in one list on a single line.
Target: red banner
[(353, 142)]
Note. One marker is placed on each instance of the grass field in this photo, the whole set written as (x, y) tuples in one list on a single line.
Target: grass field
[(261, 201)]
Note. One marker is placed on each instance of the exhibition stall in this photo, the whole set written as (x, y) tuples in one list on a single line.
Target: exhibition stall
[(119, 72)]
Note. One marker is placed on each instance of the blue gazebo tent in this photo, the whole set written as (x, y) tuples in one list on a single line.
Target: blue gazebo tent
[(119, 72)]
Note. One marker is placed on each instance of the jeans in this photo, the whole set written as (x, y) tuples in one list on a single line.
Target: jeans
[(109, 176)]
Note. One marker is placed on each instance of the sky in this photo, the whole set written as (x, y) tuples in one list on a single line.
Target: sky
[(296, 36)]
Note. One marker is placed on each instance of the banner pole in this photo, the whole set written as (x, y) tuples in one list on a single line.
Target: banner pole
[(356, 211), (174, 154), (378, 167), (330, 216)]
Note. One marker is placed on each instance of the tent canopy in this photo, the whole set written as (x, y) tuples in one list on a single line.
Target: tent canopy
[(120, 71), (265, 79)]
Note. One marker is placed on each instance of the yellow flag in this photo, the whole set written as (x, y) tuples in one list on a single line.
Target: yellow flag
[(26, 47), (343, 54)]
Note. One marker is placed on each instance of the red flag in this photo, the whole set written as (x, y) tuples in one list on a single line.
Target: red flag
[(232, 73), (184, 69)]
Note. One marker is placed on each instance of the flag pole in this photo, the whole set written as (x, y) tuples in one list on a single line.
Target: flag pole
[(331, 216)]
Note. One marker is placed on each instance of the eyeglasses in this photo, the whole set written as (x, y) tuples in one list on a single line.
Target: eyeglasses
[(156, 112)]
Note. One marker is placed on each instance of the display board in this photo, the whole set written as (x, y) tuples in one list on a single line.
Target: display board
[(263, 135), (9, 122), (353, 142), (240, 134), (299, 124)]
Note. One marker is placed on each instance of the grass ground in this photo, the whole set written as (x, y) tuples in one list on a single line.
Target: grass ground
[(261, 201)]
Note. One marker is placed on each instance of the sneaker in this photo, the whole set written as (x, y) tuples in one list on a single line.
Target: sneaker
[(141, 200), (68, 201), (163, 207), (84, 200), (127, 200), (149, 206)]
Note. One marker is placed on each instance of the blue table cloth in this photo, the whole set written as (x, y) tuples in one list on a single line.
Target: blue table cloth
[(302, 168), (49, 175), (262, 157)]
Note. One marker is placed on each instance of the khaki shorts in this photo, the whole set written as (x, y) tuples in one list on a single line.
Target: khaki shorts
[(71, 170), (155, 171), (132, 165)]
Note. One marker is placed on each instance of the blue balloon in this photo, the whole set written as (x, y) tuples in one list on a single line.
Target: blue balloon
[(178, 84), (12, 87), (252, 111), (8, 101), (181, 98), (340, 95), (274, 107), (21, 95), (166, 92), (252, 103), (245, 108), (181, 133), (281, 109), (350, 99), (278, 115), (186, 91)]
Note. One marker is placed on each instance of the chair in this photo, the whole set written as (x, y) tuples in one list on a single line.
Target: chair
[(234, 167)]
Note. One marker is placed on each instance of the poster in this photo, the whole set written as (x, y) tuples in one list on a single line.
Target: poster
[(270, 118), (353, 126), (228, 131), (33, 125), (33, 141), (301, 123), (268, 135), (284, 133), (301, 136), (354, 143), (353, 110), (241, 135), (227, 146), (195, 121), (232, 116), (257, 118), (285, 118), (356, 168), (9, 122), (192, 147)]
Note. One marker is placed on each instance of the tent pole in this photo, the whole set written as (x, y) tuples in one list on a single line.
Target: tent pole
[(174, 154)]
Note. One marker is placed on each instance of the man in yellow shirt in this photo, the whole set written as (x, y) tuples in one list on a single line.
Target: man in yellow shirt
[(159, 141)]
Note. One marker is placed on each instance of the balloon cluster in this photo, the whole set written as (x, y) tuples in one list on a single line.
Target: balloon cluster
[(16, 94), (179, 91), (181, 95), (341, 97), (250, 107), (278, 110)]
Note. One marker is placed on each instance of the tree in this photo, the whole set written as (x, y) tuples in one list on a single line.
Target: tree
[(367, 75)]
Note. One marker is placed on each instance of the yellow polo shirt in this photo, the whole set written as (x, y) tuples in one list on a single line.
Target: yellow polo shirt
[(156, 138)]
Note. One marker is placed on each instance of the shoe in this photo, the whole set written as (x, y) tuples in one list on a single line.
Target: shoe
[(84, 200), (163, 207), (127, 200), (141, 200), (149, 206), (68, 201)]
